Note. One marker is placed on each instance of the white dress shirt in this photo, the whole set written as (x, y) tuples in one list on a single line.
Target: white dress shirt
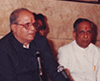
[(83, 63)]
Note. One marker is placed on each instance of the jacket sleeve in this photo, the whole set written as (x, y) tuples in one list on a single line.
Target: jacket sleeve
[(63, 57)]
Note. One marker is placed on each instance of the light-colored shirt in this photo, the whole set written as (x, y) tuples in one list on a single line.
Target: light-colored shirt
[(83, 63)]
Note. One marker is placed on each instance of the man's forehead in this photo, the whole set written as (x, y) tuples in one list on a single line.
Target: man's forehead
[(85, 25), (26, 15), (25, 12)]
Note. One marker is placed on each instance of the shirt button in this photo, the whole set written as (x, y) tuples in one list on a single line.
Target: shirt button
[(30, 62)]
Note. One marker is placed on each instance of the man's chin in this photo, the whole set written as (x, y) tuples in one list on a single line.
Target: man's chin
[(31, 38), (86, 45)]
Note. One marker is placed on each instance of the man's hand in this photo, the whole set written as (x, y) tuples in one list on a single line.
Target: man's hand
[(68, 73)]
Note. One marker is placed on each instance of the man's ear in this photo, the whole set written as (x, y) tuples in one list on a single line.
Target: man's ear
[(13, 27), (74, 34)]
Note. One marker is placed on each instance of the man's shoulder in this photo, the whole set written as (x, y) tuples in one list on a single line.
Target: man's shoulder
[(39, 41), (67, 46), (39, 38), (5, 39), (93, 46)]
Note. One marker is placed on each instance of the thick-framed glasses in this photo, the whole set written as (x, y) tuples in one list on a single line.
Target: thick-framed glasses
[(28, 25)]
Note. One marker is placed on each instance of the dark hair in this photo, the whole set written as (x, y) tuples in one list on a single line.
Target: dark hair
[(34, 15), (79, 20), (42, 18), (14, 15)]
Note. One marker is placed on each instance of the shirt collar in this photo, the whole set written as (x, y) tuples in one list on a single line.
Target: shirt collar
[(26, 46), (81, 47)]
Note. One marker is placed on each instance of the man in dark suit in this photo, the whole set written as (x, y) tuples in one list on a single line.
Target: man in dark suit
[(18, 61)]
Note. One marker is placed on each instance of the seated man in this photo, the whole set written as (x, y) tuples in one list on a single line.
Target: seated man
[(81, 57), (18, 51)]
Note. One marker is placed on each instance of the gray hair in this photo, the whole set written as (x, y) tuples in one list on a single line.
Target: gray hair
[(14, 15)]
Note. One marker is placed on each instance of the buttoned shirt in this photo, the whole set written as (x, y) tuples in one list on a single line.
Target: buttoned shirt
[(83, 63)]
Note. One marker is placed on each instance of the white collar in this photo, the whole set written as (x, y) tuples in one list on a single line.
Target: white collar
[(26, 46), (81, 47)]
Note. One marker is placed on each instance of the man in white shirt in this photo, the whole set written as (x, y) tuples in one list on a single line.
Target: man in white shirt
[(81, 57)]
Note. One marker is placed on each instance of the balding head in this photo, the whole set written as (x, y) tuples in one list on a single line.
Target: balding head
[(15, 14)]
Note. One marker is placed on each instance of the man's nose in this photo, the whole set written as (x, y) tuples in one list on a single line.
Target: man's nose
[(32, 27), (85, 35)]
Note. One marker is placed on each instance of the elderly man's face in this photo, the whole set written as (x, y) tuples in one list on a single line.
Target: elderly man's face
[(24, 34), (83, 35)]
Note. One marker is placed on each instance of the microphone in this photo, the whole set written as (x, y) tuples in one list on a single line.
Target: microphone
[(60, 69), (39, 64)]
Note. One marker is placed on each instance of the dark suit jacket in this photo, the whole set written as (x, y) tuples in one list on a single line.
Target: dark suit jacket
[(20, 64)]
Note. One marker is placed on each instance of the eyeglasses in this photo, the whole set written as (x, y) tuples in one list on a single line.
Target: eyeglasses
[(28, 25)]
